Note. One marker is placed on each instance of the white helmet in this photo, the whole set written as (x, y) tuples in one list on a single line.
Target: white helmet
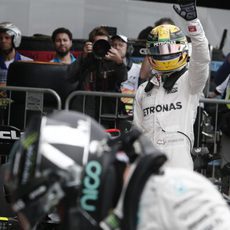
[(13, 31)]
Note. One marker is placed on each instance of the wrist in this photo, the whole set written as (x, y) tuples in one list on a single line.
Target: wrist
[(119, 62)]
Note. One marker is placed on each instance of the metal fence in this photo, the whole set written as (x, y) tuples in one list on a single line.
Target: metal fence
[(17, 105), (208, 143), (100, 101), (208, 147)]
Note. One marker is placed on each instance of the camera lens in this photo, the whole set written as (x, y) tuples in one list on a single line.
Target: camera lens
[(101, 48)]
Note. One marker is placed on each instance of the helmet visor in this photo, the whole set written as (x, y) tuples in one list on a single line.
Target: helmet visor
[(166, 48), (166, 57)]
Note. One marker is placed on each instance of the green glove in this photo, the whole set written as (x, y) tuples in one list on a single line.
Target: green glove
[(112, 222), (186, 9)]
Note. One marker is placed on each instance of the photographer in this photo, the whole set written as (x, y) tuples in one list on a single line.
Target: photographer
[(99, 68)]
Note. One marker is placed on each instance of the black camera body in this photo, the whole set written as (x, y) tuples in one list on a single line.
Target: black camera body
[(101, 48)]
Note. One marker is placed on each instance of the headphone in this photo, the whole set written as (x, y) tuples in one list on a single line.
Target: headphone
[(130, 49)]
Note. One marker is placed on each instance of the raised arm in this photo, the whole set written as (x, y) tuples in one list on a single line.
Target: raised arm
[(198, 72)]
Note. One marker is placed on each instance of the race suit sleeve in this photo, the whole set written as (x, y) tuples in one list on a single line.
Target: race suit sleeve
[(198, 71)]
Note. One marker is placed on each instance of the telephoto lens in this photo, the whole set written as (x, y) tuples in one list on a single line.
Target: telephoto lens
[(101, 48)]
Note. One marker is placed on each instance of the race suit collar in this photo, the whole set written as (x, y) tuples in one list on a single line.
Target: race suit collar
[(168, 82), (171, 80)]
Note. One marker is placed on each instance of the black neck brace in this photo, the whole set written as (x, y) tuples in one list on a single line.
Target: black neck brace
[(169, 81)]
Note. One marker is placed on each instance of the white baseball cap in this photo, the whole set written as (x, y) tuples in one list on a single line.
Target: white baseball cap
[(122, 37)]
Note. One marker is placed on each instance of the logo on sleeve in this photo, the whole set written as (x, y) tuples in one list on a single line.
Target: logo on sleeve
[(192, 28)]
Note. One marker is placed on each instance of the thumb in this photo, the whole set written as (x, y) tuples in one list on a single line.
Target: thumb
[(176, 9)]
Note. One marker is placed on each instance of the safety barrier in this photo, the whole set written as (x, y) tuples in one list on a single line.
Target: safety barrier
[(115, 115), (207, 130), (211, 148), (208, 135), (202, 113), (34, 99), (17, 105)]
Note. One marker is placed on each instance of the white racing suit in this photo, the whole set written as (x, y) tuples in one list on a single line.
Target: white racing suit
[(167, 118), (181, 199)]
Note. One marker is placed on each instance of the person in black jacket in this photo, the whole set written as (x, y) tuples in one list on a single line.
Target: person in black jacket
[(99, 68)]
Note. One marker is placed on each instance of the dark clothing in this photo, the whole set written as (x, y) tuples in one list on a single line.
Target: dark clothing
[(97, 75), (223, 72)]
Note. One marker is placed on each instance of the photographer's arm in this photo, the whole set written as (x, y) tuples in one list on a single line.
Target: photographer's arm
[(120, 70), (88, 48)]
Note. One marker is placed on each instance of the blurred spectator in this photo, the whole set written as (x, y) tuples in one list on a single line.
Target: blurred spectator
[(10, 39), (62, 40), (145, 32), (163, 21), (223, 71), (99, 68), (221, 79), (120, 42), (98, 73), (223, 91)]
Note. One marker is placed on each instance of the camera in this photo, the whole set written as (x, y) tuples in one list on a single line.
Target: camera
[(101, 48)]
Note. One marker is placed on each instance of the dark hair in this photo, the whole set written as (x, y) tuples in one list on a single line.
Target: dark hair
[(164, 21), (98, 31), (60, 31), (144, 33)]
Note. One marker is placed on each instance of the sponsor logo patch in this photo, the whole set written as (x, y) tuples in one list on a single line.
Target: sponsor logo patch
[(192, 28), (162, 108)]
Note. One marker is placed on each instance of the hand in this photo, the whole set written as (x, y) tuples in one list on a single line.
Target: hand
[(114, 55), (187, 9), (88, 48), (111, 222)]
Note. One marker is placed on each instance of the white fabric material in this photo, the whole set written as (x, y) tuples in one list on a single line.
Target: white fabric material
[(122, 37), (167, 118), (23, 58), (182, 200), (7, 63), (131, 84), (222, 87)]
